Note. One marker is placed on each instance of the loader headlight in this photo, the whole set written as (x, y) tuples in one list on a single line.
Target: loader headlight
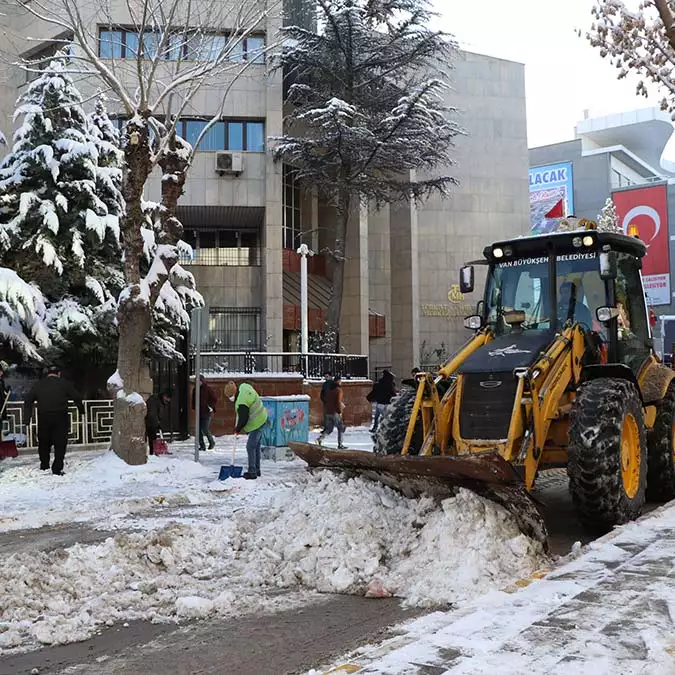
[(498, 252), (588, 240), (508, 251), (576, 242)]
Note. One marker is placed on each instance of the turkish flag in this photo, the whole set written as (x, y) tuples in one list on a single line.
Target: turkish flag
[(557, 211), (647, 209)]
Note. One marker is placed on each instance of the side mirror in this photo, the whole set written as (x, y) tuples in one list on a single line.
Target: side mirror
[(466, 279), (608, 265), (473, 322), (605, 314)]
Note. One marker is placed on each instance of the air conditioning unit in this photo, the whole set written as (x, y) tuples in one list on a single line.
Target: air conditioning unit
[(229, 163)]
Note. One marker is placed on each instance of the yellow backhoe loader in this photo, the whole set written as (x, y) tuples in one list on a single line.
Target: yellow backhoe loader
[(560, 372)]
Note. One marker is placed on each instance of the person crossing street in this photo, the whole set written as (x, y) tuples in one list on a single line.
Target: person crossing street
[(251, 419), (333, 407), (52, 395)]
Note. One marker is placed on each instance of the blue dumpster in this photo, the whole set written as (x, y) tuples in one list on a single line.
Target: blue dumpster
[(287, 420)]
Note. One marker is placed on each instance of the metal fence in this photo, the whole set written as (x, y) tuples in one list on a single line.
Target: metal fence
[(92, 428), (349, 366), (224, 257)]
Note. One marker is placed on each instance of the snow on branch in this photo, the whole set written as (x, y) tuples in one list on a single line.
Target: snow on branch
[(641, 41), (22, 315)]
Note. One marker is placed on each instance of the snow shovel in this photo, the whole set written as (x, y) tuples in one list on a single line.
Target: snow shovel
[(231, 471), (7, 448)]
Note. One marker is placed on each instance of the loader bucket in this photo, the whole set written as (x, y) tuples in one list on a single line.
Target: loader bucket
[(486, 474)]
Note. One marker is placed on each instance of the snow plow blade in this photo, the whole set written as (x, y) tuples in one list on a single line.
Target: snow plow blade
[(486, 474)]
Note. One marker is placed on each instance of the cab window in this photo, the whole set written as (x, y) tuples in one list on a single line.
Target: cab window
[(632, 323)]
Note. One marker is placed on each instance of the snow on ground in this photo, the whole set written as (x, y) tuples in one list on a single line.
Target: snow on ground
[(100, 487), (189, 546), (607, 611)]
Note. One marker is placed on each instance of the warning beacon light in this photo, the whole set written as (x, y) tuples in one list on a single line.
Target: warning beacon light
[(633, 231)]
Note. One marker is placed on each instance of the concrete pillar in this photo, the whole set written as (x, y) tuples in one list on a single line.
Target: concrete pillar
[(354, 315), (272, 286), (379, 273), (405, 307)]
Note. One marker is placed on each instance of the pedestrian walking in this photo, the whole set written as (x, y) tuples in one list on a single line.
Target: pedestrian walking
[(327, 379), (333, 406), (207, 408), (155, 407), (52, 394), (381, 394), (251, 419)]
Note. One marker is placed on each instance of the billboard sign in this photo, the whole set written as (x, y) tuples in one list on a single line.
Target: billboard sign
[(647, 208), (549, 185)]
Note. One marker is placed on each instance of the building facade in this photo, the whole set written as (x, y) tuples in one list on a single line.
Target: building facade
[(401, 304)]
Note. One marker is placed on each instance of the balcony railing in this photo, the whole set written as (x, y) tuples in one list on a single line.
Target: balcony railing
[(311, 366), (92, 428)]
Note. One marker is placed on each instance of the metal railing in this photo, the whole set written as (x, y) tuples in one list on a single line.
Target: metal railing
[(311, 366), (92, 428), (226, 256)]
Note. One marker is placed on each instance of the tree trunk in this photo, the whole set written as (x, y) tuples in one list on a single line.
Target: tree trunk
[(133, 313), (174, 163), (332, 336)]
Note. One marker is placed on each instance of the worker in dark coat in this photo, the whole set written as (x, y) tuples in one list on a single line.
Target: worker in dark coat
[(155, 407), (52, 395), (382, 393), (207, 409)]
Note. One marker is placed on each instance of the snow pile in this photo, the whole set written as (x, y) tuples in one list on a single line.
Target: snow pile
[(325, 534), (338, 536)]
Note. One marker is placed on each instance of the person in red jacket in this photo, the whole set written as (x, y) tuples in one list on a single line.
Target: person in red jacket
[(207, 408)]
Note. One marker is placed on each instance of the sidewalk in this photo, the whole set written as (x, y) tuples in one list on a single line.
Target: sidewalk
[(609, 611)]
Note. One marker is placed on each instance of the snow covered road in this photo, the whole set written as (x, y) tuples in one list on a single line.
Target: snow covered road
[(608, 611), (191, 547)]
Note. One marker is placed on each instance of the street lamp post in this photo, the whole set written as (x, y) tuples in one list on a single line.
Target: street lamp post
[(303, 252)]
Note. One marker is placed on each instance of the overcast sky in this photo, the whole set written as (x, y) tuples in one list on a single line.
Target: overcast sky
[(564, 75)]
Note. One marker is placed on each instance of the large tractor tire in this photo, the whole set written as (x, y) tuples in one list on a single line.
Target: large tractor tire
[(661, 450), (607, 465), (390, 434)]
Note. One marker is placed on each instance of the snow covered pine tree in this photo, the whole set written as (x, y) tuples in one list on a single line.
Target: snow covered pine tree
[(55, 229), (370, 111), (22, 312), (145, 88)]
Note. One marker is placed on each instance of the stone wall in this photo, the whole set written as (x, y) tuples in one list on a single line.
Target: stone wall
[(357, 411)]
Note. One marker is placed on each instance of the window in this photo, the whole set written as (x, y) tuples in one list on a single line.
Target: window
[(110, 46), (291, 207), (633, 325), (119, 43), (229, 248), (38, 61), (232, 135), (524, 286), (234, 329)]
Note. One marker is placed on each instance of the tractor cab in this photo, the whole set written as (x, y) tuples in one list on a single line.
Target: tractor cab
[(538, 285)]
